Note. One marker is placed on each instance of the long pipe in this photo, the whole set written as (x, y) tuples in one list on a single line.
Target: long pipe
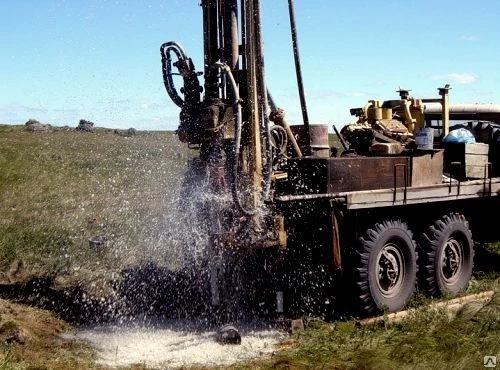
[(298, 72), (488, 112), (231, 42), (211, 47), (263, 98), (253, 112), (445, 107)]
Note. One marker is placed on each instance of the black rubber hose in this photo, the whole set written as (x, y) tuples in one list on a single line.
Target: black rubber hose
[(166, 62), (237, 104)]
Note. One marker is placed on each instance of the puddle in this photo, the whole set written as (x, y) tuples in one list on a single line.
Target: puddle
[(168, 346)]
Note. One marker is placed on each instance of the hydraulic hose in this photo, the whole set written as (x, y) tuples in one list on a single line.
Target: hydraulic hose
[(166, 61), (237, 105), (278, 115)]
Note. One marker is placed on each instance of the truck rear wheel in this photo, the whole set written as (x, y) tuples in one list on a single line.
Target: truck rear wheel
[(446, 256), (386, 268)]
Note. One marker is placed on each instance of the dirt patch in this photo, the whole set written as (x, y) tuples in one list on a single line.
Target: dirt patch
[(72, 305), (140, 292), (31, 336)]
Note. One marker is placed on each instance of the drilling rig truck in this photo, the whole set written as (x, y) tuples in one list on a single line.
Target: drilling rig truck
[(294, 225)]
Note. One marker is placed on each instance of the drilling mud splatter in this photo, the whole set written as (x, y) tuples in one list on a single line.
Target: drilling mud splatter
[(171, 345)]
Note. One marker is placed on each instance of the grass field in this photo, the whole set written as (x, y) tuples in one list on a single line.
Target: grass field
[(59, 189)]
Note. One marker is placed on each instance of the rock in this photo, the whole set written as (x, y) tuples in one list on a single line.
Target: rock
[(94, 221), (297, 325), (33, 125), (16, 270), (32, 122), (98, 242), (228, 334), (127, 133), (16, 336), (85, 126), (11, 332)]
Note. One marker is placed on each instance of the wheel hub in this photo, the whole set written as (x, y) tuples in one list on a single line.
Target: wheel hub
[(451, 260), (390, 270)]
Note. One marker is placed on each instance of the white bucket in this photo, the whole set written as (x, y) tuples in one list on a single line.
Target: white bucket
[(424, 138)]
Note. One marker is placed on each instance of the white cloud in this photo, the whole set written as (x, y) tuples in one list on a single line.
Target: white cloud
[(459, 78)]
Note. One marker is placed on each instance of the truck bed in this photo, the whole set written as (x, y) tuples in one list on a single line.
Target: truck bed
[(447, 191)]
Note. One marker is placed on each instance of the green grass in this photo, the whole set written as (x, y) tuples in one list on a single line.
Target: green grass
[(493, 247), (53, 183), (427, 339)]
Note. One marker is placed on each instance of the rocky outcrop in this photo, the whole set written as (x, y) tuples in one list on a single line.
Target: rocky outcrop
[(129, 132), (33, 125), (85, 126)]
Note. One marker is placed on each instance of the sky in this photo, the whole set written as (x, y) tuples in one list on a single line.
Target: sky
[(66, 60)]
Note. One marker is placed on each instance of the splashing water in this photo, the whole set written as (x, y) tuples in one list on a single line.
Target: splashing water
[(160, 283), (170, 346)]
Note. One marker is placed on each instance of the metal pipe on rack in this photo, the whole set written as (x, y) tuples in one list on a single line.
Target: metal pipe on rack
[(298, 72)]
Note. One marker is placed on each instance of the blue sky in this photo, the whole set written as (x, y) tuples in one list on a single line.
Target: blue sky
[(63, 60)]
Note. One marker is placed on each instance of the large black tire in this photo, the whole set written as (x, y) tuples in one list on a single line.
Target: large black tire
[(446, 253), (386, 271)]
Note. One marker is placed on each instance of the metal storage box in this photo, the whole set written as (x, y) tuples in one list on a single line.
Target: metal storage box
[(466, 161)]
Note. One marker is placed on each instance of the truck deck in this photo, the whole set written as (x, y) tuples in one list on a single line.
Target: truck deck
[(447, 191)]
